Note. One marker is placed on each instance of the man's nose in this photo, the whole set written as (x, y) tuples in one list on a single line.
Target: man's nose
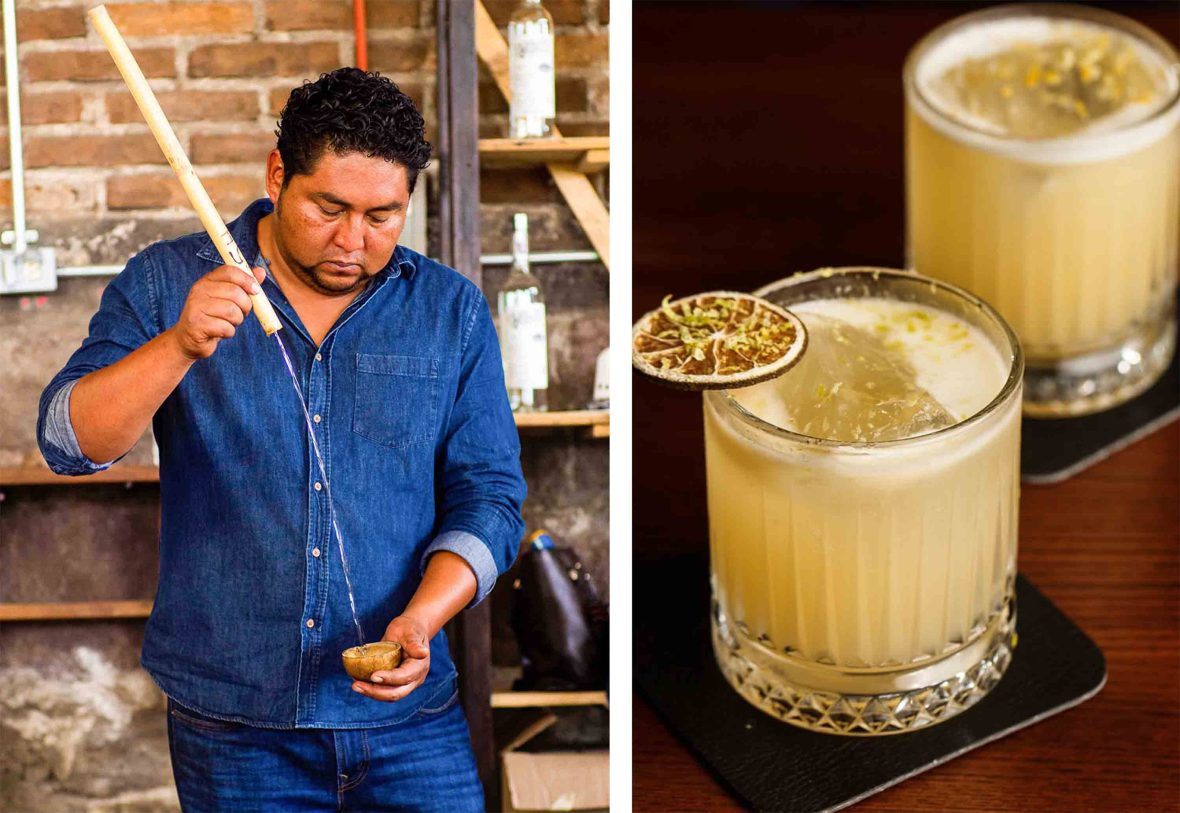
[(350, 235)]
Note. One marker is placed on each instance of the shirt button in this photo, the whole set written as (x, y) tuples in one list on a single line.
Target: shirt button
[(319, 357), (315, 552), (310, 623), (316, 418), (318, 486)]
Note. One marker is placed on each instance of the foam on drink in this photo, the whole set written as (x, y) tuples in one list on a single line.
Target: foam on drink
[(879, 370), (1036, 78)]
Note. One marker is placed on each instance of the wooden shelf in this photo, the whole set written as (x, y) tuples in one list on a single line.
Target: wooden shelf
[(526, 700), (596, 420), (587, 154), (40, 476), (75, 610), (503, 697)]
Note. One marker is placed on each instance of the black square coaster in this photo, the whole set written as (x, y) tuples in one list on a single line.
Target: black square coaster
[(771, 765), (1055, 449)]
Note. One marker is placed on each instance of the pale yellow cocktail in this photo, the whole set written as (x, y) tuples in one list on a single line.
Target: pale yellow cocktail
[(863, 508), (1043, 175)]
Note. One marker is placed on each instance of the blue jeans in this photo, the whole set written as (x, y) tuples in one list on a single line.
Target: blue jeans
[(424, 764)]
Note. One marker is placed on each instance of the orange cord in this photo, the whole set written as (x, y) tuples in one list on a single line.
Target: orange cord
[(362, 46)]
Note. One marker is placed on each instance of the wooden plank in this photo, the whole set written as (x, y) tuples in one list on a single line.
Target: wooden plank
[(550, 420), (505, 152), (475, 687), (492, 48), (593, 161), (74, 610), (600, 431), (458, 70), (459, 138), (30, 476), (587, 207), (524, 700), (579, 193)]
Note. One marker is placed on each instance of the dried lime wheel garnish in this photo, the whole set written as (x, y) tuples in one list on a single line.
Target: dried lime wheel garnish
[(716, 340)]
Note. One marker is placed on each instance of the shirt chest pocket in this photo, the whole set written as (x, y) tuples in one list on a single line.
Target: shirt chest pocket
[(397, 399)]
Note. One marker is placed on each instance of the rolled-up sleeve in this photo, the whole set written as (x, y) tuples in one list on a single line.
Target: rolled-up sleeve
[(125, 320), (482, 485)]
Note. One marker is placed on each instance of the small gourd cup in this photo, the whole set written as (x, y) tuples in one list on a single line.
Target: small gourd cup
[(362, 661)]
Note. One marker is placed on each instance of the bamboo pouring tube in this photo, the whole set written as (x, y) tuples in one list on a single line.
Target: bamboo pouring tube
[(162, 130)]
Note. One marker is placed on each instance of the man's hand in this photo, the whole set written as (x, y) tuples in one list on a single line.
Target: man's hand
[(397, 683), (217, 303)]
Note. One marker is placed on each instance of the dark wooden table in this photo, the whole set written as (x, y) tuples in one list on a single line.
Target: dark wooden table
[(768, 139)]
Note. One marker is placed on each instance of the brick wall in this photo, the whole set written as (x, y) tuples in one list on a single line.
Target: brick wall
[(80, 729)]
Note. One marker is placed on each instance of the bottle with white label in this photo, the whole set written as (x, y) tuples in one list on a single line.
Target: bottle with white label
[(524, 341), (533, 107)]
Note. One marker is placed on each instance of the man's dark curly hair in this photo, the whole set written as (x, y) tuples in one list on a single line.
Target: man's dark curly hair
[(350, 110)]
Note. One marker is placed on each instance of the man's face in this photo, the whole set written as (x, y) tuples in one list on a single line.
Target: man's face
[(339, 225)]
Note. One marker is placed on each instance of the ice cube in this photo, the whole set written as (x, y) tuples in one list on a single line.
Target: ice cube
[(850, 385)]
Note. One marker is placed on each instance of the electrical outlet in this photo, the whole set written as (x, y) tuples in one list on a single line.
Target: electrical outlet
[(32, 271)]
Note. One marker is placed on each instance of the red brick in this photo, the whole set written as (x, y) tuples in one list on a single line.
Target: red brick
[(581, 51), (493, 127), (599, 95), (577, 129), (393, 13), (416, 54), (571, 96), (58, 195), (308, 15), (278, 96), (188, 105), (491, 100), (264, 59), (235, 148), (5, 194), (53, 107), (144, 192), (278, 100), (90, 66), (92, 150), (528, 185), (50, 24), (564, 12), (229, 192), (161, 19)]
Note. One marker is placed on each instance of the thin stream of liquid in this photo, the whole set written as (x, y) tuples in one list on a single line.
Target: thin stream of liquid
[(327, 488)]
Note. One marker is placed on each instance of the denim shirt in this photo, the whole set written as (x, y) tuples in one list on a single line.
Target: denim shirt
[(251, 613)]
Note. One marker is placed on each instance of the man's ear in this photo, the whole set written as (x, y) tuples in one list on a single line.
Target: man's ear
[(275, 174)]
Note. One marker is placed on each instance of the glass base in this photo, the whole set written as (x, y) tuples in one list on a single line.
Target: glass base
[(865, 702), (1100, 380)]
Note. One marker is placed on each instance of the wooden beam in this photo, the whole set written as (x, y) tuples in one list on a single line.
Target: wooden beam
[(502, 152), (40, 476), (579, 193), (74, 610), (583, 199), (593, 161), (573, 417), (525, 700), (458, 76)]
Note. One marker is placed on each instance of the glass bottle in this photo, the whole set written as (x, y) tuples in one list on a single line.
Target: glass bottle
[(531, 75), (524, 345)]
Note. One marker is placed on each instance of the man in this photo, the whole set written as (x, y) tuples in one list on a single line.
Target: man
[(398, 360)]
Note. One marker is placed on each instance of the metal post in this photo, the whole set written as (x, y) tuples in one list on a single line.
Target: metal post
[(15, 147)]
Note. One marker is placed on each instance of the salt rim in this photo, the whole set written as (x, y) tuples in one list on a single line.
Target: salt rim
[(981, 34)]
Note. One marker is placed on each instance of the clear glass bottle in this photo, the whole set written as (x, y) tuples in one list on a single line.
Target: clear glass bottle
[(531, 74), (524, 344)]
